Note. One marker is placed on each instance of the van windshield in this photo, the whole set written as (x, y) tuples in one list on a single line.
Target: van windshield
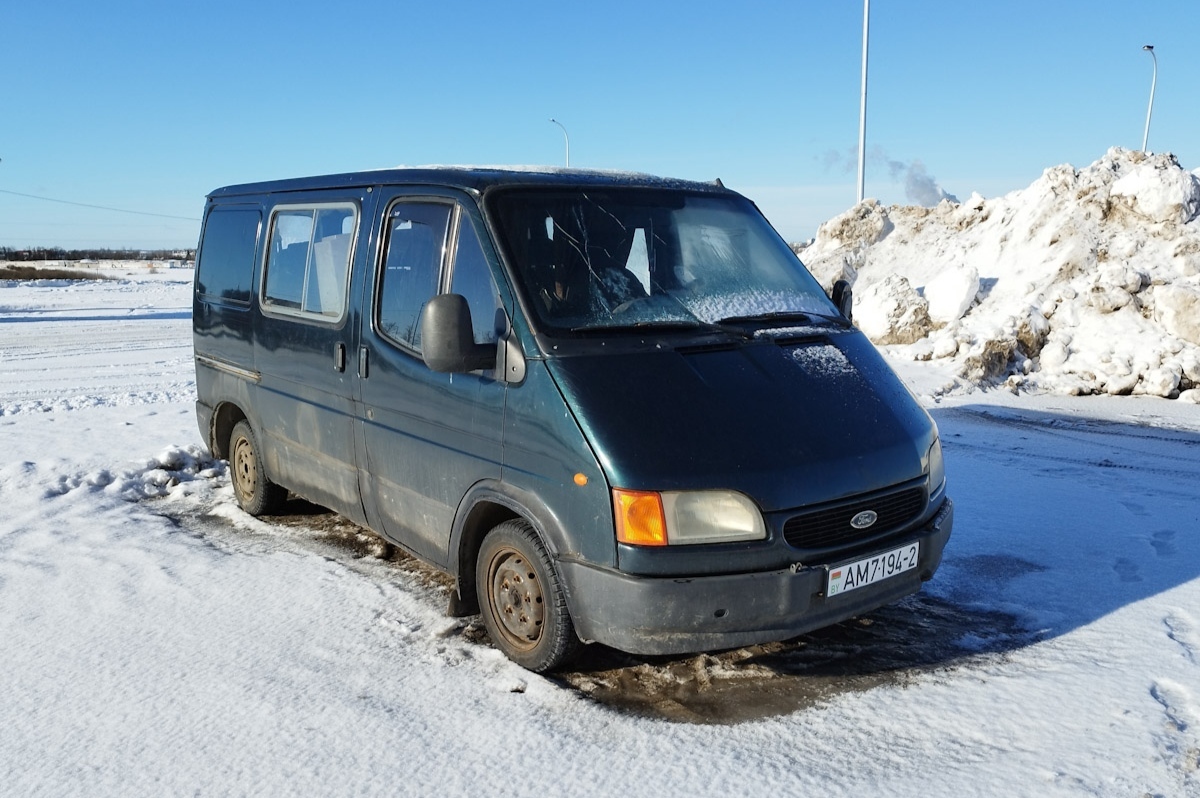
[(633, 258)]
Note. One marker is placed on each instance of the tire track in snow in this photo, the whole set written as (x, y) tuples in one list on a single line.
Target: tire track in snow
[(1077, 429), (180, 392), (124, 357), (1179, 742), (1096, 444)]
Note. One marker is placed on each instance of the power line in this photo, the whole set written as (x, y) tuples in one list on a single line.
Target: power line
[(97, 207)]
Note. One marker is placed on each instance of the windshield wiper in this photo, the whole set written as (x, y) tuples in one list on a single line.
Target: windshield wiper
[(781, 316), (774, 315), (664, 324)]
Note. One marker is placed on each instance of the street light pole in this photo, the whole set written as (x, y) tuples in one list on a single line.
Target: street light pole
[(862, 107), (1154, 79), (566, 140)]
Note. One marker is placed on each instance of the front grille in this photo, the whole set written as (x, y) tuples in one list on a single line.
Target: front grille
[(831, 527)]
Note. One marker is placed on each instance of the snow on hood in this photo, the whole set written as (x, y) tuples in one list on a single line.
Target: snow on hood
[(1087, 281)]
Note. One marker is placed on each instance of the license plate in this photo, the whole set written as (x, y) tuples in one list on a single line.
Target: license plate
[(868, 571)]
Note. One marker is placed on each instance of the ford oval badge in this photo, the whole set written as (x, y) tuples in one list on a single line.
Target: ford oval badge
[(864, 519)]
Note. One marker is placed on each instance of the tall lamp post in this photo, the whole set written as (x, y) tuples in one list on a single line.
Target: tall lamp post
[(566, 140), (862, 108), (1154, 79)]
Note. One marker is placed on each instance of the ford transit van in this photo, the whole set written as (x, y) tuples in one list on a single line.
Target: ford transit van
[(613, 407)]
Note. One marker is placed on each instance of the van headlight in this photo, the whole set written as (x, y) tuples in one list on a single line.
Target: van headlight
[(937, 468), (651, 518)]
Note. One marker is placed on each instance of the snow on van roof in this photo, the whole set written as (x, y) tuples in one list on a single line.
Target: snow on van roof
[(473, 177), (540, 169)]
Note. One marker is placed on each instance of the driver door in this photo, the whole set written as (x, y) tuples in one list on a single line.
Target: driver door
[(426, 437)]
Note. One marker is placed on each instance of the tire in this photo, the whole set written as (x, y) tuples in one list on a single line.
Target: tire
[(255, 494), (522, 600)]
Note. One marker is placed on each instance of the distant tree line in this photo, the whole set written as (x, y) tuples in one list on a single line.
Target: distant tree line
[(56, 253)]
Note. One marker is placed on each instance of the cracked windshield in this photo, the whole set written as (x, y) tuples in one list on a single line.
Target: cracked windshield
[(632, 259)]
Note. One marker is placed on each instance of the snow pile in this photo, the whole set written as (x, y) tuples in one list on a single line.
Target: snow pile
[(892, 312), (1087, 281), (154, 478)]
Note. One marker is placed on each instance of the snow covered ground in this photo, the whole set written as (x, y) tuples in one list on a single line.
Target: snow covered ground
[(156, 641)]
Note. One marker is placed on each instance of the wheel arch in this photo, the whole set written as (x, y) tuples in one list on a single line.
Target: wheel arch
[(224, 419), (487, 505)]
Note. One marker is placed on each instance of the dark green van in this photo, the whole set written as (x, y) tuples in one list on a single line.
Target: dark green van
[(615, 408)]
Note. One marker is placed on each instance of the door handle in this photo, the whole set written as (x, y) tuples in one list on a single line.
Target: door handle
[(339, 357), (362, 362)]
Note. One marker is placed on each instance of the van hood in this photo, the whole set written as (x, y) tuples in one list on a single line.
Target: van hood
[(786, 423)]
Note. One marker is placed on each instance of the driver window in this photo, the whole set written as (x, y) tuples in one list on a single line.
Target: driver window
[(416, 241)]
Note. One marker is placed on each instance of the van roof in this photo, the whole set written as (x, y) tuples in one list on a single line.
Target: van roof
[(478, 178)]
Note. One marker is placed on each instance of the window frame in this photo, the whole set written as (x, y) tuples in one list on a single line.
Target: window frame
[(273, 308)]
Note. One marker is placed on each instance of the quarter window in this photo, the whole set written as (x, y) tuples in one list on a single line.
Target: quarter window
[(473, 279), (309, 259), (227, 255)]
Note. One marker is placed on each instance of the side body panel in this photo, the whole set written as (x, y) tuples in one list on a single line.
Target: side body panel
[(305, 398), (426, 437), (544, 451)]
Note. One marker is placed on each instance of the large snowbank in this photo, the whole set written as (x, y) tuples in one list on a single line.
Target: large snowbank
[(1087, 281)]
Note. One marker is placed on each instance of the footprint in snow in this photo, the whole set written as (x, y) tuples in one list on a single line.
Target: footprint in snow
[(1163, 542), (1127, 570), (1180, 743), (1135, 509), (1182, 629)]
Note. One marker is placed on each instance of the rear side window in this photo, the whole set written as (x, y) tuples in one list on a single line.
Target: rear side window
[(308, 260), (226, 264)]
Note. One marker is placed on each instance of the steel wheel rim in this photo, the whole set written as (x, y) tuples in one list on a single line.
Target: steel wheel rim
[(244, 467), (518, 604)]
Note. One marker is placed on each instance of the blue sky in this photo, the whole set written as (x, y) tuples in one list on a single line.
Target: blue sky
[(147, 106)]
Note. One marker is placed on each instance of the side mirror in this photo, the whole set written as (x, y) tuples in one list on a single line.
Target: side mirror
[(447, 339), (843, 298)]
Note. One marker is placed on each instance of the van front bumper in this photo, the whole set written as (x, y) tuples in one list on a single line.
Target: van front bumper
[(677, 615)]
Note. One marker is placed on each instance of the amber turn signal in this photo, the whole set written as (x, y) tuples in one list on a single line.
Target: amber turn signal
[(639, 517)]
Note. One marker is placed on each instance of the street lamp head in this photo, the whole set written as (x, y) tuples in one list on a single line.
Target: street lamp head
[(566, 139), (1148, 47)]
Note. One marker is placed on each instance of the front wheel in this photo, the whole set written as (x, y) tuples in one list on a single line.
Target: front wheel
[(521, 599), (255, 493)]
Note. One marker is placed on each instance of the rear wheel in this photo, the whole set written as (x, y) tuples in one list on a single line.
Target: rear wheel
[(521, 599), (255, 493)]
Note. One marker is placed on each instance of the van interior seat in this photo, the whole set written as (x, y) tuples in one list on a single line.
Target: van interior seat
[(285, 274), (330, 258)]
